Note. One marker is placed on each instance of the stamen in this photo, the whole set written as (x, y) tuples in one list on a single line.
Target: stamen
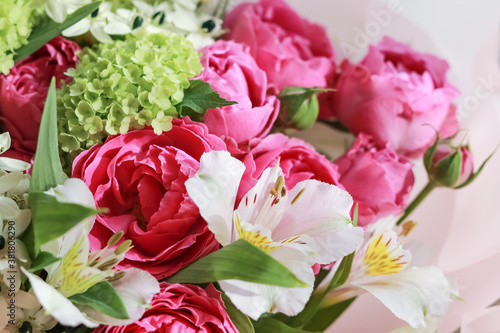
[(298, 196), (117, 276), (115, 238), (123, 247)]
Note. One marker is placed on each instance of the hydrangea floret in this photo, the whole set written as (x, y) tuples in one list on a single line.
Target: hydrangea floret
[(17, 18), (125, 85)]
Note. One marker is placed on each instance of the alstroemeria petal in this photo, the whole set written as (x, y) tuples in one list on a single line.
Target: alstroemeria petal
[(56, 304), (11, 164), (57, 10), (10, 180), (255, 299), (136, 290), (214, 189), (4, 142), (78, 28), (413, 294), (8, 208), (321, 211)]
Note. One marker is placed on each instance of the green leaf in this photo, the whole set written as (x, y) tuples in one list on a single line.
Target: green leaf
[(447, 171), (312, 306), (43, 260), (241, 261), (429, 153), (271, 325), (52, 218), (47, 169), (475, 174), (104, 298), (355, 215), (326, 316), (199, 98), (241, 321), (44, 34)]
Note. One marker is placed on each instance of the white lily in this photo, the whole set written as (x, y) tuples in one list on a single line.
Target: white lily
[(81, 269), (308, 225), (58, 10), (6, 163), (380, 267)]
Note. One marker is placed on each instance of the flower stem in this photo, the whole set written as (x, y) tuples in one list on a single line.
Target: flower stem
[(420, 197)]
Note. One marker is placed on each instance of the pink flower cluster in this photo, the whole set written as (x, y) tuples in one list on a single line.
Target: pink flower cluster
[(139, 176)]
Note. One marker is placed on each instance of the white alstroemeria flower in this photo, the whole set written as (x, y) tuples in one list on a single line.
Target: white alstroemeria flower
[(81, 269), (6, 163), (412, 294), (307, 225)]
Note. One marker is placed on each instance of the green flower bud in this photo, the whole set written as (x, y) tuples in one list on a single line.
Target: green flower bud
[(299, 107)]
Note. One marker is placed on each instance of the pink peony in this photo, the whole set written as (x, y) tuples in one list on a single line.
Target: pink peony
[(378, 179), (139, 177), (298, 160), (392, 93), (24, 90), (181, 308), (233, 73), (292, 51)]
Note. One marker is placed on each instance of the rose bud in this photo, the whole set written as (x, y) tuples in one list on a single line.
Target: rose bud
[(299, 107)]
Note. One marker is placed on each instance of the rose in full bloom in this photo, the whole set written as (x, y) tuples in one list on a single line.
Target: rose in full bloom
[(24, 90), (392, 93), (298, 160), (139, 176), (291, 50), (378, 179), (233, 73), (181, 308)]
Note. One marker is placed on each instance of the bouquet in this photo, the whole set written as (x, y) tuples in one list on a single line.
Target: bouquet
[(152, 179)]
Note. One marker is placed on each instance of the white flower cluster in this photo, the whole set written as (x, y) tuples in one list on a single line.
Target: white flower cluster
[(185, 17)]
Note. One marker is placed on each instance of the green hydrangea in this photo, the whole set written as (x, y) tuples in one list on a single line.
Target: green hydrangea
[(17, 18), (125, 85)]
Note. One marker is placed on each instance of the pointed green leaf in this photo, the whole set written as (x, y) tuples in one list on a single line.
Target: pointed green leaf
[(241, 321), (241, 261), (447, 171), (44, 34), (355, 215), (312, 306), (52, 218), (429, 153), (47, 169), (271, 325), (43, 260), (104, 298), (475, 174), (199, 98), (326, 316)]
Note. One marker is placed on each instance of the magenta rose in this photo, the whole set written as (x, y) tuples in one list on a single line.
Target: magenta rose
[(24, 90), (291, 50), (392, 93), (139, 176), (181, 308), (233, 73), (298, 160), (378, 179)]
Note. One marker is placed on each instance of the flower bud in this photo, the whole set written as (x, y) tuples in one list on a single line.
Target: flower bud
[(450, 166), (299, 107)]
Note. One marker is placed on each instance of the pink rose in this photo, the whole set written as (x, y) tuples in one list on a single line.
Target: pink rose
[(233, 73), (292, 51), (392, 93), (181, 308), (298, 160), (139, 177), (378, 179), (24, 90)]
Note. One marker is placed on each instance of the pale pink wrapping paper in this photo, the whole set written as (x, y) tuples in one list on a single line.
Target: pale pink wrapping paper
[(459, 231)]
